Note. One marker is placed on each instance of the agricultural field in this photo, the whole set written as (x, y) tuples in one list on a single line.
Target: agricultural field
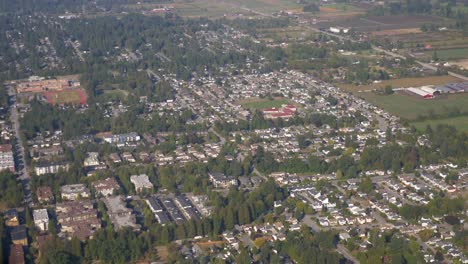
[(379, 23), (285, 34), (207, 8), (411, 107), (451, 54), (401, 83), (259, 103), (72, 96), (268, 6), (460, 122)]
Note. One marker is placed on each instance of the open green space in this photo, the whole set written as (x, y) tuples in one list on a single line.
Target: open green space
[(343, 7), (410, 107), (267, 6), (460, 122), (452, 54), (264, 103)]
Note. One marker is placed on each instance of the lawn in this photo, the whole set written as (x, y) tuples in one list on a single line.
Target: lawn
[(410, 107), (403, 82), (460, 122), (258, 103)]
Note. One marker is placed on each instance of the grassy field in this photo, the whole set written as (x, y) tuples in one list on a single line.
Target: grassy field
[(343, 7), (268, 6), (403, 82), (452, 54), (461, 123), (207, 8), (258, 103), (410, 107)]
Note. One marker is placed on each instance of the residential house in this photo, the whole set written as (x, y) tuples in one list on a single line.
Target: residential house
[(11, 217)]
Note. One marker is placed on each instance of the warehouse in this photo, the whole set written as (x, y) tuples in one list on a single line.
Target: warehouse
[(420, 92)]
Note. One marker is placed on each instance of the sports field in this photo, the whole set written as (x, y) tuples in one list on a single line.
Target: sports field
[(72, 96), (258, 103), (410, 107)]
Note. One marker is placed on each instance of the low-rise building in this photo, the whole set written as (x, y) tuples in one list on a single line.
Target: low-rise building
[(106, 187), (7, 161), (19, 235), (78, 218), (122, 138), (219, 180), (74, 191), (141, 182), (44, 194), (92, 159), (41, 219), (120, 215), (42, 169), (16, 254)]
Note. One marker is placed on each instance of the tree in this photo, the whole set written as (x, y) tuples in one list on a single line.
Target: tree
[(388, 89), (366, 185), (52, 226), (435, 57)]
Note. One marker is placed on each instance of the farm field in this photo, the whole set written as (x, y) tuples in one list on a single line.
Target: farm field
[(451, 54), (378, 23), (72, 96), (460, 122), (401, 83), (258, 103), (207, 8), (410, 107), (268, 6)]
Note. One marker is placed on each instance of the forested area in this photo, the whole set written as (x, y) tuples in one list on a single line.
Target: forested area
[(390, 246), (11, 194)]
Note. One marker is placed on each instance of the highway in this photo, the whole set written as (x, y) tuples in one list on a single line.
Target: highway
[(22, 166)]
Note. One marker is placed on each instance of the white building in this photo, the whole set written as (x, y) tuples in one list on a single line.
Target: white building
[(92, 159), (6, 158), (74, 191), (41, 219), (141, 182)]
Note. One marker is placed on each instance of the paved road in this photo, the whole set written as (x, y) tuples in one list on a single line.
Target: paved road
[(23, 170)]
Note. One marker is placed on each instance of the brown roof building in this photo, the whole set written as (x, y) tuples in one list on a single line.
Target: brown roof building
[(78, 218), (44, 194), (106, 187), (16, 254)]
